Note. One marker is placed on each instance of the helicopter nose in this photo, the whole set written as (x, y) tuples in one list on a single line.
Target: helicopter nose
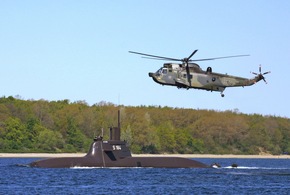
[(151, 74)]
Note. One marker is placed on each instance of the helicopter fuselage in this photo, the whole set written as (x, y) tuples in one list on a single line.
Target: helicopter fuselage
[(192, 76), (189, 75)]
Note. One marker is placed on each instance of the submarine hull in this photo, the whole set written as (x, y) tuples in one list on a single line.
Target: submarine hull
[(156, 162), (115, 153), (66, 162)]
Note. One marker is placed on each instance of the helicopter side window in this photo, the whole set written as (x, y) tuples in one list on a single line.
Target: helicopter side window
[(185, 76), (164, 71)]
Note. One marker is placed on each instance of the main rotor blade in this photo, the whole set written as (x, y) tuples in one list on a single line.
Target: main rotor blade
[(218, 58), (155, 57), (183, 60), (192, 54)]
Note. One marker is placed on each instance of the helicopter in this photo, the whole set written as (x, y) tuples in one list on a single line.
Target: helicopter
[(188, 74)]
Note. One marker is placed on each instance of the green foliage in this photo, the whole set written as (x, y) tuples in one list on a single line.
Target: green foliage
[(75, 137), (166, 137), (62, 126), (49, 140), (14, 134)]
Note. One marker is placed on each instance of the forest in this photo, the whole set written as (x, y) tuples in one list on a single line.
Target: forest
[(64, 126)]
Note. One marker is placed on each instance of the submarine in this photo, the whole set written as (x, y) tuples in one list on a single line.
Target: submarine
[(115, 153)]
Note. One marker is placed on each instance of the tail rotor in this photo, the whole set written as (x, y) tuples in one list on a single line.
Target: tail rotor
[(260, 75)]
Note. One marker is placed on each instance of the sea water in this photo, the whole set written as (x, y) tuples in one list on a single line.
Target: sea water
[(252, 176)]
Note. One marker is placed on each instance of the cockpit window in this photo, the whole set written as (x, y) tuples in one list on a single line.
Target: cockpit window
[(158, 72)]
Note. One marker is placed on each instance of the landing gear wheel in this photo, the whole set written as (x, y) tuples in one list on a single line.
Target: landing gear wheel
[(223, 95)]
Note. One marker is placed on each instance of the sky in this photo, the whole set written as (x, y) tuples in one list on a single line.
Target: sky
[(78, 50)]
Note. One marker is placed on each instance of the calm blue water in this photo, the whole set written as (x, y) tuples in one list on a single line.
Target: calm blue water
[(255, 176)]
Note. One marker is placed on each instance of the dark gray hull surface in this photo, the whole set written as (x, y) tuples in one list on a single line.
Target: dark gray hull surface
[(116, 154)]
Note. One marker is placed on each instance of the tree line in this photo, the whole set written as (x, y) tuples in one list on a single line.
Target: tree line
[(64, 126)]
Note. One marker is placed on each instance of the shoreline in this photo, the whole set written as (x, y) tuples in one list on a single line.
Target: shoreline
[(58, 155)]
